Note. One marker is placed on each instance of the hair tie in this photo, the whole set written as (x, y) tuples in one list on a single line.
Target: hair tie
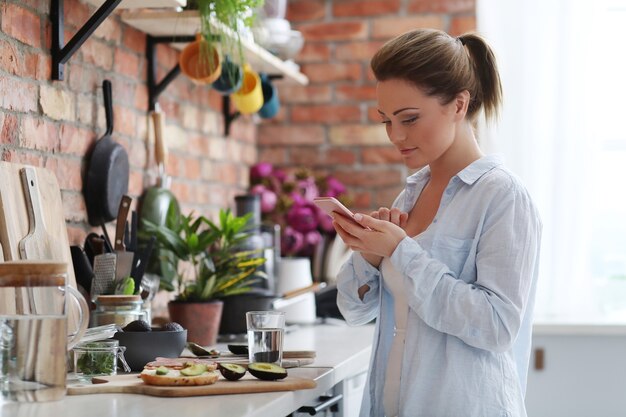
[(460, 39)]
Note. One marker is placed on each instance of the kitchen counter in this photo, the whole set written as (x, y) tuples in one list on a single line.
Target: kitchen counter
[(342, 352)]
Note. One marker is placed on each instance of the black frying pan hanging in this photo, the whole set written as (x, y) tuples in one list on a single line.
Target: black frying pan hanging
[(107, 174)]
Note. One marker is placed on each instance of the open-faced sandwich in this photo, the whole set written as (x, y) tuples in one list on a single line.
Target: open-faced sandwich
[(180, 372)]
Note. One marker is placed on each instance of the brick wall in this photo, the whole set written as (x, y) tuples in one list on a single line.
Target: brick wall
[(332, 124), (54, 124)]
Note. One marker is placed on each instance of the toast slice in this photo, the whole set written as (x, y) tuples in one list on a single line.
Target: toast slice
[(175, 378)]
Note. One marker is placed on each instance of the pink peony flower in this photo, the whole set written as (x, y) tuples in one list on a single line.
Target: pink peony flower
[(287, 199), (261, 170), (268, 198), (302, 217), (292, 241)]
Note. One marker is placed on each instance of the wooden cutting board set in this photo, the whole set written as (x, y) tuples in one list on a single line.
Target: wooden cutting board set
[(132, 384), (32, 223)]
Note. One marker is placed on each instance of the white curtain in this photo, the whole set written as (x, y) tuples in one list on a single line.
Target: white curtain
[(553, 134)]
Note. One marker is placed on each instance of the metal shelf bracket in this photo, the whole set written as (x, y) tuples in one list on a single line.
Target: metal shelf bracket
[(62, 53)]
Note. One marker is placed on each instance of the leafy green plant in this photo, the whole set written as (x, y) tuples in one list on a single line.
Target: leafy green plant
[(222, 21), (217, 266)]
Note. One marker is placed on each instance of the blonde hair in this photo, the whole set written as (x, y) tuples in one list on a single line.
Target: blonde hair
[(443, 66)]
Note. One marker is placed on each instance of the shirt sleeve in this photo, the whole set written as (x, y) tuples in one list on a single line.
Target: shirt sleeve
[(487, 313), (353, 274)]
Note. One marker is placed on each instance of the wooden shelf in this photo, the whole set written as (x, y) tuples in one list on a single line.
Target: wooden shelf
[(138, 4), (187, 23)]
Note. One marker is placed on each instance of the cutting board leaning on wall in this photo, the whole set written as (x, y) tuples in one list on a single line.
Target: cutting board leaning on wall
[(14, 221)]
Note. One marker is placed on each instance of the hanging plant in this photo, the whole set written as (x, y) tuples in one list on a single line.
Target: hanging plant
[(222, 22)]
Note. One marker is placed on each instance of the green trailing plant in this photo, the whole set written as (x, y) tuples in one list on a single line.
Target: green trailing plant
[(232, 16), (217, 267)]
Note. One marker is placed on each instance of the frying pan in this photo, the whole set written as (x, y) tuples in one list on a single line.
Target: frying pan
[(107, 175), (159, 205)]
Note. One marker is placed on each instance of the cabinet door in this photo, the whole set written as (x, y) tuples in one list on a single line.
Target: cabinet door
[(582, 376)]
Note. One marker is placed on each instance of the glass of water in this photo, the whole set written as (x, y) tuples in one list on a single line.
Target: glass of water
[(266, 331)]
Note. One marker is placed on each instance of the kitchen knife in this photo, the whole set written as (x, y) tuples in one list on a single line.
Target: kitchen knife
[(124, 262)]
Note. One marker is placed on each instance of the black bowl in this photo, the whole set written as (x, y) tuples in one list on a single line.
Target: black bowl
[(144, 347)]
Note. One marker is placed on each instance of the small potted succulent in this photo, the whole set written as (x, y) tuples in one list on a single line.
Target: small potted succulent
[(210, 265)]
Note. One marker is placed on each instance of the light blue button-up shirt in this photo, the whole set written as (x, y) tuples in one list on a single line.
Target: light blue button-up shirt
[(470, 281)]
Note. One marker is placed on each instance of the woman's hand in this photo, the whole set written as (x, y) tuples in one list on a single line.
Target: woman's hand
[(380, 240)]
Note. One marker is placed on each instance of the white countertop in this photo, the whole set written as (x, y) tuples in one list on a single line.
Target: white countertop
[(342, 352)]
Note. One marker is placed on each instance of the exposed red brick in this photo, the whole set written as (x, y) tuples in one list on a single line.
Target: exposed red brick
[(325, 114), (293, 93), (313, 157), (335, 31), (109, 30), (381, 155), (314, 52), (358, 134), (126, 63), (98, 53), (355, 92), (324, 73), (67, 171), (289, 135), (75, 140), (75, 14), (82, 79), (11, 59), (134, 40), (301, 10), (365, 8), (39, 134), (135, 183), (9, 132), (37, 66), (21, 24), (441, 6), (23, 95), (74, 207), (275, 156), (370, 177), (462, 24), (386, 28), (351, 51)]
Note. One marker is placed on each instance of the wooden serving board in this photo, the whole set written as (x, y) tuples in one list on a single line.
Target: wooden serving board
[(14, 222), (132, 384)]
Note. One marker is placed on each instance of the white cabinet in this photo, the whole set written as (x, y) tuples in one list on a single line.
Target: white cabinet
[(583, 375)]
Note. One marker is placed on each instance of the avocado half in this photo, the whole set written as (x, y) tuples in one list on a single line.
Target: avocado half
[(231, 371), (267, 371)]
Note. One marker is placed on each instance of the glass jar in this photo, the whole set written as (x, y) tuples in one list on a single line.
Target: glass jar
[(117, 309), (98, 359)]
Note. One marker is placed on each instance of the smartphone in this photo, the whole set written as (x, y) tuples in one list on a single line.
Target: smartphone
[(332, 205)]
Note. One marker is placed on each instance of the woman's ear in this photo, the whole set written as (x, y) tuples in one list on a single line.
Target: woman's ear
[(461, 101)]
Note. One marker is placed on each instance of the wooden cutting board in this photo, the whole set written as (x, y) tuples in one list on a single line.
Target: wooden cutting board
[(14, 223), (132, 384)]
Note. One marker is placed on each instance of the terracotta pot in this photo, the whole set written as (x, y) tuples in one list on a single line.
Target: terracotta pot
[(200, 61), (201, 319)]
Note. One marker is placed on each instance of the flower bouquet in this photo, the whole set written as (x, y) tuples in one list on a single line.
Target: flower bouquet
[(287, 200)]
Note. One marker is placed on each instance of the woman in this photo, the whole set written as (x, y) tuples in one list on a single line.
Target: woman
[(449, 272)]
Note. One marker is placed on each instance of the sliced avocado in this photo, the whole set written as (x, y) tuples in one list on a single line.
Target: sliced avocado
[(231, 371), (194, 370), (267, 371), (238, 348), (162, 370)]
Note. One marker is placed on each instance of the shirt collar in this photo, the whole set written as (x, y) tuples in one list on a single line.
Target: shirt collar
[(469, 175)]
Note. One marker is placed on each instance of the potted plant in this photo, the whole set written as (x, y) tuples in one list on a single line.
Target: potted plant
[(223, 22), (210, 264)]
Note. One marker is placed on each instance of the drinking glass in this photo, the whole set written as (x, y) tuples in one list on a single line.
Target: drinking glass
[(266, 331)]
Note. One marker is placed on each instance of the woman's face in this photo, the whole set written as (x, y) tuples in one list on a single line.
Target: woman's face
[(419, 126)]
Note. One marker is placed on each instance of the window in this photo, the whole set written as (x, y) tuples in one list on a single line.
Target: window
[(562, 131)]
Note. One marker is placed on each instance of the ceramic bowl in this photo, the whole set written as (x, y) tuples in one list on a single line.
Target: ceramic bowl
[(144, 347)]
